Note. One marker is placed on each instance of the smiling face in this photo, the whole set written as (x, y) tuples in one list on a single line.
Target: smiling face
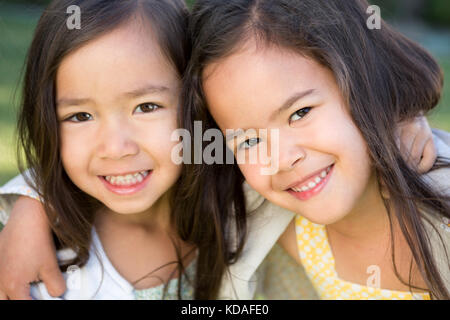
[(117, 100), (324, 169)]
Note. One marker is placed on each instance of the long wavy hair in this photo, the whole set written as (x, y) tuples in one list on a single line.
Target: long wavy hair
[(70, 210), (384, 78)]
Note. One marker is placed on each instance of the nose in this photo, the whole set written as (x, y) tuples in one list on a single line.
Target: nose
[(116, 140), (291, 152)]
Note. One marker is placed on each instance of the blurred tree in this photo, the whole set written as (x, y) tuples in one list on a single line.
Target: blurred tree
[(410, 9), (190, 3), (437, 12), (401, 9), (33, 2)]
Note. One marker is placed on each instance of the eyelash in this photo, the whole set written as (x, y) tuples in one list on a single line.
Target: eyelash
[(241, 146), (153, 105), (74, 118), (305, 111)]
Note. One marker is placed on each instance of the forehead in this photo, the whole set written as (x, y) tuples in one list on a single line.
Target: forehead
[(127, 56), (251, 83)]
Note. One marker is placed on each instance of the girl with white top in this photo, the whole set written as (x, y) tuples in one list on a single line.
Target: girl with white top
[(99, 107)]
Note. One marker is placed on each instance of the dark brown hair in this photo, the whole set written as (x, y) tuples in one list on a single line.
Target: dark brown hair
[(383, 77), (71, 211)]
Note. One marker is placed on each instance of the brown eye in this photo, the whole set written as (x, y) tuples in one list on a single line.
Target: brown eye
[(80, 117), (299, 114), (146, 108)]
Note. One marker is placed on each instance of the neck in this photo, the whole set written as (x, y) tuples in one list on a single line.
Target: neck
[(156, 218), (143, 246), (367, 220)]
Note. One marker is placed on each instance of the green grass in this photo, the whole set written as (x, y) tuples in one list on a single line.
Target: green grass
[(16, 27)]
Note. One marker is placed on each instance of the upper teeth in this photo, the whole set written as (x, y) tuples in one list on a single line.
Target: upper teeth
[(128, 179), (314, 182)]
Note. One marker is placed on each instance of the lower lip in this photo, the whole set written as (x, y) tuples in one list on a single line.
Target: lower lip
[(306, 195), (128, 189)]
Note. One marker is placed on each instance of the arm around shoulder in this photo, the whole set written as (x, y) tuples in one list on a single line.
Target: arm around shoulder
[(11, 192)]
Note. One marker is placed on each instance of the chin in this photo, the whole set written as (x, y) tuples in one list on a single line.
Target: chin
[(324, 220), (321, 215), (333, 217), (126, 208)]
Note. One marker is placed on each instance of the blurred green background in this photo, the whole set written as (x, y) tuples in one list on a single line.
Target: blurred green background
[(426, 21)]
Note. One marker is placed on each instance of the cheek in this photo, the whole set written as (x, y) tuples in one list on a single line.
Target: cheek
[(158, 142), (351, 149), (336, 134), (252, 174), (73, 146), (353, 163), (169, 170)]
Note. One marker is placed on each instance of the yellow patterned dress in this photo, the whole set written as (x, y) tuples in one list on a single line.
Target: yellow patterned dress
[(318, 261)]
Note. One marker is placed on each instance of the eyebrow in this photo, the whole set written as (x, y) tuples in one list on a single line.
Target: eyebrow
[(136, 93), (290, 101), (65, 102), (146, 90), (286, 105)]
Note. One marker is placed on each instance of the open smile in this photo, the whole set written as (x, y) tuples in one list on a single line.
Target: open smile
[(311, 186), (126, 184)]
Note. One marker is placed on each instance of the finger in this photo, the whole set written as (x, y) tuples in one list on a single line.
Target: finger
[(20, 292), (406, 143), (53, 280), (429, 157), (3, 296), (417, 149)]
